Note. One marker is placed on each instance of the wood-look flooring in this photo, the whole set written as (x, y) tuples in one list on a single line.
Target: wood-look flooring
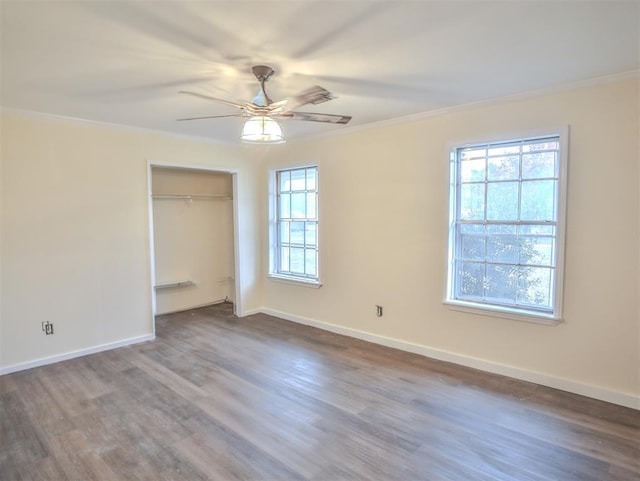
[(260, 398)]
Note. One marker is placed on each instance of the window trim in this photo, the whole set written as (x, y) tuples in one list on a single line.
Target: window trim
[(273, 273), (299, 281), (514, 313)]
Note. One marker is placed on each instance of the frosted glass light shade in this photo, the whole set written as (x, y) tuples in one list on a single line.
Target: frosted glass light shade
[(262, 130)]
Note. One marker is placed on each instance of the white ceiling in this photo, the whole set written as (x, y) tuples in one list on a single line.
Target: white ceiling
[(124, 62)]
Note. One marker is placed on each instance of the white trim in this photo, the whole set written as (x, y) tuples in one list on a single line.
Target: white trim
[(73, 354), (563, 384), (32, 114), (152, 254), (592, 82), (190, 166), (503, 312), (561, 224), (554, 130), (297, 281), (519, 314), (272, 233), (237, 304)]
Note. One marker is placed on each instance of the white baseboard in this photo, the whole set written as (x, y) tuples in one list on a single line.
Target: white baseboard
[(43, 361), (603, 394)]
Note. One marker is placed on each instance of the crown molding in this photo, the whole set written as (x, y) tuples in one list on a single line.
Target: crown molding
[(592, 82), (32, 114)]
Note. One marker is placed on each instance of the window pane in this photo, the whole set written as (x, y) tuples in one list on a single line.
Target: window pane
[(285, 206), (284, 232), (502, 283), (504, 244), (536, 166), (311, 206), (297, 233), (472, 229), (310, 233), (470, 280), (505, 149), (298, 207), (472, 201), (311, 262), (536, 230), (473, 247), (543, 144), (504, 168), (472, 153), (535, 286), (297, 260), (285, 181), (284, 258), (537, 250), (538, 200), (503, 248), (311, 179), (501, 229), (298, 179), (471, 170), (502, 201), (296, 254)]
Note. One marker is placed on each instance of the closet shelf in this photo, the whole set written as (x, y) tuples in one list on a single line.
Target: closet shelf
[(169, 285), (192, 196)]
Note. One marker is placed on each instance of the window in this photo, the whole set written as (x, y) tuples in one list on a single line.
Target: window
[(295, 230), (505, 246)]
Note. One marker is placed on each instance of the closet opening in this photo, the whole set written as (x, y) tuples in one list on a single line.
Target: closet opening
[(192, 223)]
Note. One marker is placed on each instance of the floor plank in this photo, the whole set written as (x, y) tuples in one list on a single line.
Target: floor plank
[(221, 398)]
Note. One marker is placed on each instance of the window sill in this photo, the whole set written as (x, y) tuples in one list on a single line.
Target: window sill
[(297, 281), (503, 312)]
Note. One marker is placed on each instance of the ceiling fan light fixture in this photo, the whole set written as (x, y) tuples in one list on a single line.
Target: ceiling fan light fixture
[(262, 130)]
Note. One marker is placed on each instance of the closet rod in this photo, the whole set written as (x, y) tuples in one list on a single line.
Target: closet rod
[(191, 196), (174, 284)]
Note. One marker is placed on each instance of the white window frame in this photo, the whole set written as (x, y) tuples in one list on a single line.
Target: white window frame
[(551, 317), (274, 231)]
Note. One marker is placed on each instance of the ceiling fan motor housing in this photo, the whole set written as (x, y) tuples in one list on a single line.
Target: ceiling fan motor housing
[(262, 72)]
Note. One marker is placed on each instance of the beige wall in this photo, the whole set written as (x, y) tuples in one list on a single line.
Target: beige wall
[(75, 238), (75, 232), (384, 217)]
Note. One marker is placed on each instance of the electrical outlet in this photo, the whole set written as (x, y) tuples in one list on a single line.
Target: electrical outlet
[(378, 310), (47, 327)]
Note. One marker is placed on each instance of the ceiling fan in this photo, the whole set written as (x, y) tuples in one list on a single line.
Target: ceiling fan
[(263, 107)]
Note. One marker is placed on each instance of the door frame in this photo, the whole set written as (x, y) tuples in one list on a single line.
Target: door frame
[(237, 305)]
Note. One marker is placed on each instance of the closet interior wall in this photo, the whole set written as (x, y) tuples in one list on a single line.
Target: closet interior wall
[(193, 238)]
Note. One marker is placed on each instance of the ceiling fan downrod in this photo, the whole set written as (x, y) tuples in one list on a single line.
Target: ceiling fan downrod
[(263, 73)]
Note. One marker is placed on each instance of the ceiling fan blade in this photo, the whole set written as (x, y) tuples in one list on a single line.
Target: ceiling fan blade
[(313, 95), (314, 117), (215, 99), (212, 117)]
